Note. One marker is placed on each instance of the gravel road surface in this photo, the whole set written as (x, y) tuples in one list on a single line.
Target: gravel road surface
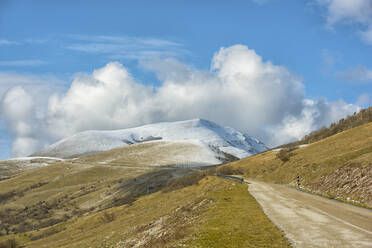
[(313, 221)]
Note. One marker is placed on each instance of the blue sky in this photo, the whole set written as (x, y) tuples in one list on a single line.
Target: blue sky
[(56, 40)]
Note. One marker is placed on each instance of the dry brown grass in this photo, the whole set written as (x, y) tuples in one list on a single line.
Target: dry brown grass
[(46, 196), (161, 208), (179, 218), (68, 190), (317, 162)]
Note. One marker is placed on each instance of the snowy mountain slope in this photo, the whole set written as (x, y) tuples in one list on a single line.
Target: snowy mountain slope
[(213, 137)]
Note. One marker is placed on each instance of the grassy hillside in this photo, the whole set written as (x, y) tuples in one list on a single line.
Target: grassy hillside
[(45, 196), (11, 167), (133, 197), (211, 213), (118, 199), (339, 166)]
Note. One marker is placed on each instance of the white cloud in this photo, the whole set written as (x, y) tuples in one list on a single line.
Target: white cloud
[(23, 62), (36, 40), (260, 1), (352, 12), (108, 99), (359, 11), (331, 60), (125, 39), (241, 90), (30, 82), (4, 42), (128, 40), (364, 100), (18, 108), (357, 74), (367, 35), (314, 115), (23, 107), (126, 47)]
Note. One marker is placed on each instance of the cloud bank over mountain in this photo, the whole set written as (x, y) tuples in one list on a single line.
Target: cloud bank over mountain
[(240, 90)]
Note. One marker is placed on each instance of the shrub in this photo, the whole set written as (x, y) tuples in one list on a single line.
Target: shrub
[(46, 233), (49, 222), (283, 155), (38, 185), (107, 217), (127, 199), (229, 170), (185, 181), (6, 196), (10, 243)]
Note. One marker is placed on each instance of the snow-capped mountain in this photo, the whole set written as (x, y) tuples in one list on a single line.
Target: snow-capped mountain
[(209, 136)]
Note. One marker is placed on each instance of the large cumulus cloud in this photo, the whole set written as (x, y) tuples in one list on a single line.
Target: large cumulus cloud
[(18, 108), (240, 90)]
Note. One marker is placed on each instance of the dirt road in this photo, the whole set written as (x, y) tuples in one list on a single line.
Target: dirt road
[(313, 221)]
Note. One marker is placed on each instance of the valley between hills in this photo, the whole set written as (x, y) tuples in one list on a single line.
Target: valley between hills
[(158, 191)]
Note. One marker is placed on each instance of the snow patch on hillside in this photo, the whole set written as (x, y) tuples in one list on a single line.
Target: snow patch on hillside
[(32, 158)]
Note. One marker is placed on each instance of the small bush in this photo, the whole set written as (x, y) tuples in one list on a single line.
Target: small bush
[(38, 185), (6, 196), (45, 234), (49, 222), (229, 170), (185, 181), (10, 243), (127, 199), (107, 217), (283, 155)]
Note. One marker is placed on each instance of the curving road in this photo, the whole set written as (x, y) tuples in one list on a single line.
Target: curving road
[(313, 221)]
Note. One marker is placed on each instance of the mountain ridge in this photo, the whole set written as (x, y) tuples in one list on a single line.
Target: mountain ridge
[(216, 138)]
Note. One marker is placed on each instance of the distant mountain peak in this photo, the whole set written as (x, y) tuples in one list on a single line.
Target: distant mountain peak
[(218, 139)]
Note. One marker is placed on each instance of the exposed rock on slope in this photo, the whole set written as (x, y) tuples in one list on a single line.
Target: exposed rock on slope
[(351, 182)]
